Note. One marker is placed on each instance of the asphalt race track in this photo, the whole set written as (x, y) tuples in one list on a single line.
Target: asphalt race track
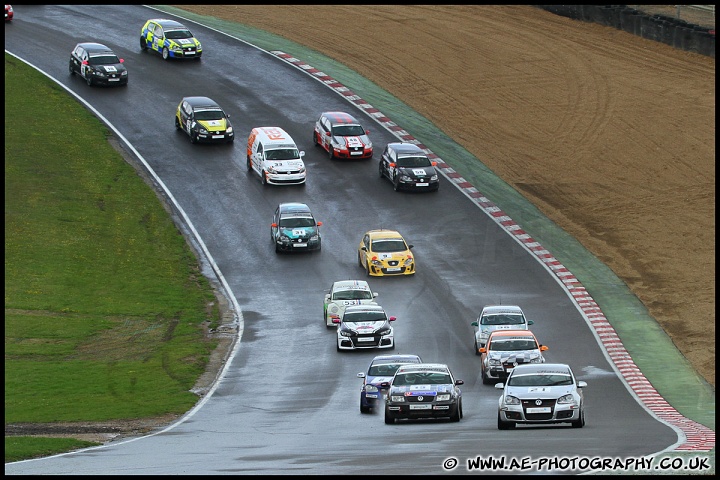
[(288, 403)]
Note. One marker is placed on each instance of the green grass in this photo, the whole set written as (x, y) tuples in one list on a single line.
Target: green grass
[(103, 296)]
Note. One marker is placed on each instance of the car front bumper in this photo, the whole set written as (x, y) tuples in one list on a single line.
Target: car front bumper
[(365, 342), (557, 414)]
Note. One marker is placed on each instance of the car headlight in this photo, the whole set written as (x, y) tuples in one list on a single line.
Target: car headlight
[(371, 388), (302, 169), (368, 145), (510, 400), (284, 239), (229, 130), (434, 178), (176, 48), (314, 238), (203, 131), (535, 360), (383, 331), (493, 361), (270, 169), (568, 399), (345, 333), (199, 46), (98, 73), (397, 398), (408, 261), (376, 262), (443, 398), (405, 178), (124, 73)]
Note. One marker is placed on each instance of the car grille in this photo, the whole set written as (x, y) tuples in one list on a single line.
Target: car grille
[(373, 342), (393, 263), (189, 50), (416, 399), (402, 270), (355, 149), (539, 416)]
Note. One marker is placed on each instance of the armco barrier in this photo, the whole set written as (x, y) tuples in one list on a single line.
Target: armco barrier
[(660, 28)]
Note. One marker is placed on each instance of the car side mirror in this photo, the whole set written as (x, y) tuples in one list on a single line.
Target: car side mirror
[(392, 319), (391, 165), (273, 225), (410, 246), (361, 375), (302, 154), (375, 294), (385, 384), (500, 385), (367, 132), (482, 350), (433, 163), (474, 324), (327, 296), (543, 348), (122, 60), (327, 134), (363, 248), (459, 382), (319, 224), (85, 62), (581, 384), (530, 322)]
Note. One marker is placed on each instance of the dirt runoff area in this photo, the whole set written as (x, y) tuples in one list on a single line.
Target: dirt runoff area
[(611, 135)]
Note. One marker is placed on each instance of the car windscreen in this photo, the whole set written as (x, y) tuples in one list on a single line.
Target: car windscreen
[(383, 370), (540, 380), (512, 345), (295, 222), (421, 378), (103, 60), (413, 162), (363, 317), (348, 130), (392, 245), (502, 319), (282, 154), (177, 34), (352, 295), (209, 114)]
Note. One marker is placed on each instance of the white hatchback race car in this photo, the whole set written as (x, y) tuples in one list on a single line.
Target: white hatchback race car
[(344, 293)]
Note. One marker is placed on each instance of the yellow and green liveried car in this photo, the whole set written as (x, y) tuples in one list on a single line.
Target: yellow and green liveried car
[(203, 120), (169, 38)]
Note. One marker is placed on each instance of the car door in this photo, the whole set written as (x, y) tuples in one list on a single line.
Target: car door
[(364, 254), (75, 60), (326, 129), (158, 38), (84, 63), (386, 160)]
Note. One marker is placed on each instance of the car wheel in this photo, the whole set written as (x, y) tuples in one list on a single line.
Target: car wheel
[(166, 53), (461, 412), (360, 261), (364, 409), (315, 142), (88, 79), (337, 347), (389, 419), (249, 163), (455, 417), (193, 138), (504, 425), (263, 178), (177, 124), (396, 184), (485, 379), (72, 71), (476, 348), (393, 346), (581, 421), (367, 270), (330, 152), (277, 249), (380, 169)]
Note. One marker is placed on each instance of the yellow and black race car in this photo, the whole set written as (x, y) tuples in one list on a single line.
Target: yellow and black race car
[(170, 38), (203, 120)]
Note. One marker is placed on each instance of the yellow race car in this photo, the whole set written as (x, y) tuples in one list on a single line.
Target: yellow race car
[(385, 252)]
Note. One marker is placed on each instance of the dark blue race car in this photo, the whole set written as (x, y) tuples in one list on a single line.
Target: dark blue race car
[(381, 369)]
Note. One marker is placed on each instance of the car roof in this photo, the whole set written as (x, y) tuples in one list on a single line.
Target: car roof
[(363, 308), (165, 23), (350, 285), (502, 309), (551, 368), (294, 208), (424, 367), (201, 102), (400, 358), (337, 118), (406, 148), (511, 333), (92, 47), (382, 233)]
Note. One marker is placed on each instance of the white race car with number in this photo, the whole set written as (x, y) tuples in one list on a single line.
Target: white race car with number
[(344, 293)]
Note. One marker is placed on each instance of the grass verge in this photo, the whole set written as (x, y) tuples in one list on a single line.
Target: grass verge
[(104, 299)]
